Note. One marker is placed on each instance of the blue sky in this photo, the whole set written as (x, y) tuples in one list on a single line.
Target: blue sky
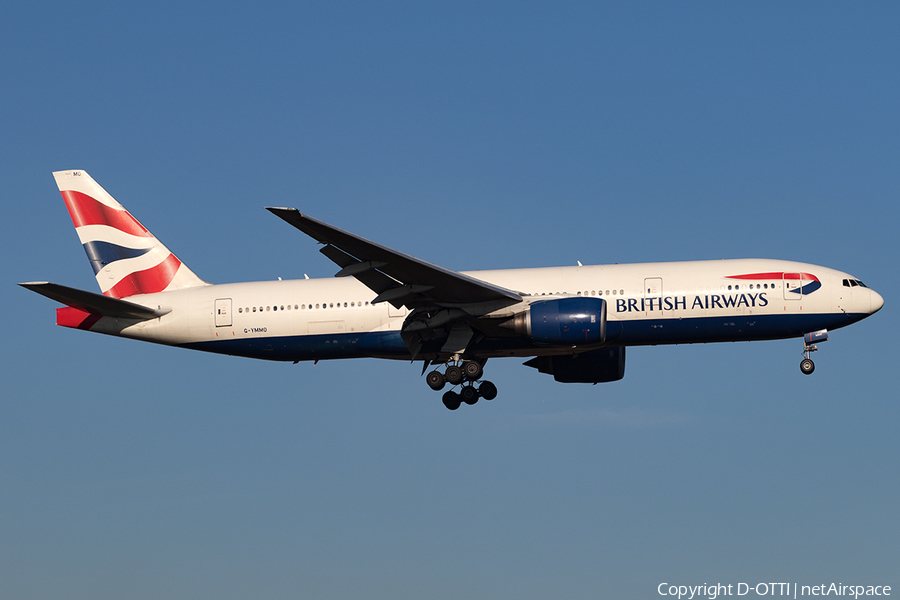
[(472, 136)]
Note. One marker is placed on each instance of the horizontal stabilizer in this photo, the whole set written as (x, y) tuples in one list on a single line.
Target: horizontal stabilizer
[(94, 303)]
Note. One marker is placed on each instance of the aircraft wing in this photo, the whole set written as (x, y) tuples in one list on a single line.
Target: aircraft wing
[(94, 303), (396, 277)]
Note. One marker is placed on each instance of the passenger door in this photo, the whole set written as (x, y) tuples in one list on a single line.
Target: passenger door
[(792, 285), (223, 312), (653, 292)]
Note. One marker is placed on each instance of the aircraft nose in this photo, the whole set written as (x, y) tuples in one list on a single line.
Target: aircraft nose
[(876, 302)]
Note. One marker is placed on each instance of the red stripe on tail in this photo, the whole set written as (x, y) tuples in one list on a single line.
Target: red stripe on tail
[(149, 281), (85, 210)]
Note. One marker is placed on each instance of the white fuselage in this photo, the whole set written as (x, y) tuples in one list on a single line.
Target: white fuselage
[(649, 303)]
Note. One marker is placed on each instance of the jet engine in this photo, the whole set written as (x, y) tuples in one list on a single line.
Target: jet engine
[(563, 321), (596, 366)]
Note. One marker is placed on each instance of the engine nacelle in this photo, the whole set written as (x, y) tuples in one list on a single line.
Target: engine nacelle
[(596, 366), (564, 321)]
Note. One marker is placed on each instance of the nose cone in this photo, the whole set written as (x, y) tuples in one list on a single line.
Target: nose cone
[(876, 302)]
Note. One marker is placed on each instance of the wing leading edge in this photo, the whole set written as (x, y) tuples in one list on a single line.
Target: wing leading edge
[(396, 277)]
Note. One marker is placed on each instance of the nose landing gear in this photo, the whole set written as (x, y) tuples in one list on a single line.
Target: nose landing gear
[(807, 366), (466, 374)]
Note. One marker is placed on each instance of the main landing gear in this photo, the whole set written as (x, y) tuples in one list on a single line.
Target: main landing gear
[(466, 375)]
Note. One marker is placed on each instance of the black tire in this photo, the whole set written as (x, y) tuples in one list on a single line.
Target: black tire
[(454, 375), (469, 395), (487, 390), (807, 366), (435, 380), (451, 400), (472, 370)]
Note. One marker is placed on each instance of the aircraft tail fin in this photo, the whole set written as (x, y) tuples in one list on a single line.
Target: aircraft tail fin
[(127, 259)]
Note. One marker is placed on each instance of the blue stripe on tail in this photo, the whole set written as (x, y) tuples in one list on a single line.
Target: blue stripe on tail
[(102, 253)]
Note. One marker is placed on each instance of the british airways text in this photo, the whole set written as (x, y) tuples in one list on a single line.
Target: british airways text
[(707, 302)]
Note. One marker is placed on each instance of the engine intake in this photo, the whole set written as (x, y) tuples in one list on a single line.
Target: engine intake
[(564, 321)]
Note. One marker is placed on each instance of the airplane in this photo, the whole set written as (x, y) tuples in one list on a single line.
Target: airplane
[(573, 323)]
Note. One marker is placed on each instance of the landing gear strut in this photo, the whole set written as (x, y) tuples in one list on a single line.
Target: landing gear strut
[(807, 366), (465, 374)]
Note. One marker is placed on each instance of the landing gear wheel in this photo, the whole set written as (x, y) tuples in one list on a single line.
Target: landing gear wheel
[(451, 400), (807, 366), (472, 370), (469, 395), (435, 380), (487, 390), (454, 375)]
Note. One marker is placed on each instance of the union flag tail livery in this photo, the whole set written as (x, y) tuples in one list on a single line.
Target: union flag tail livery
[(127, 259), (573, 323)]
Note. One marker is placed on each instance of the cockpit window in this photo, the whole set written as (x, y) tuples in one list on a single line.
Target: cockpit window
[(854, 283)]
